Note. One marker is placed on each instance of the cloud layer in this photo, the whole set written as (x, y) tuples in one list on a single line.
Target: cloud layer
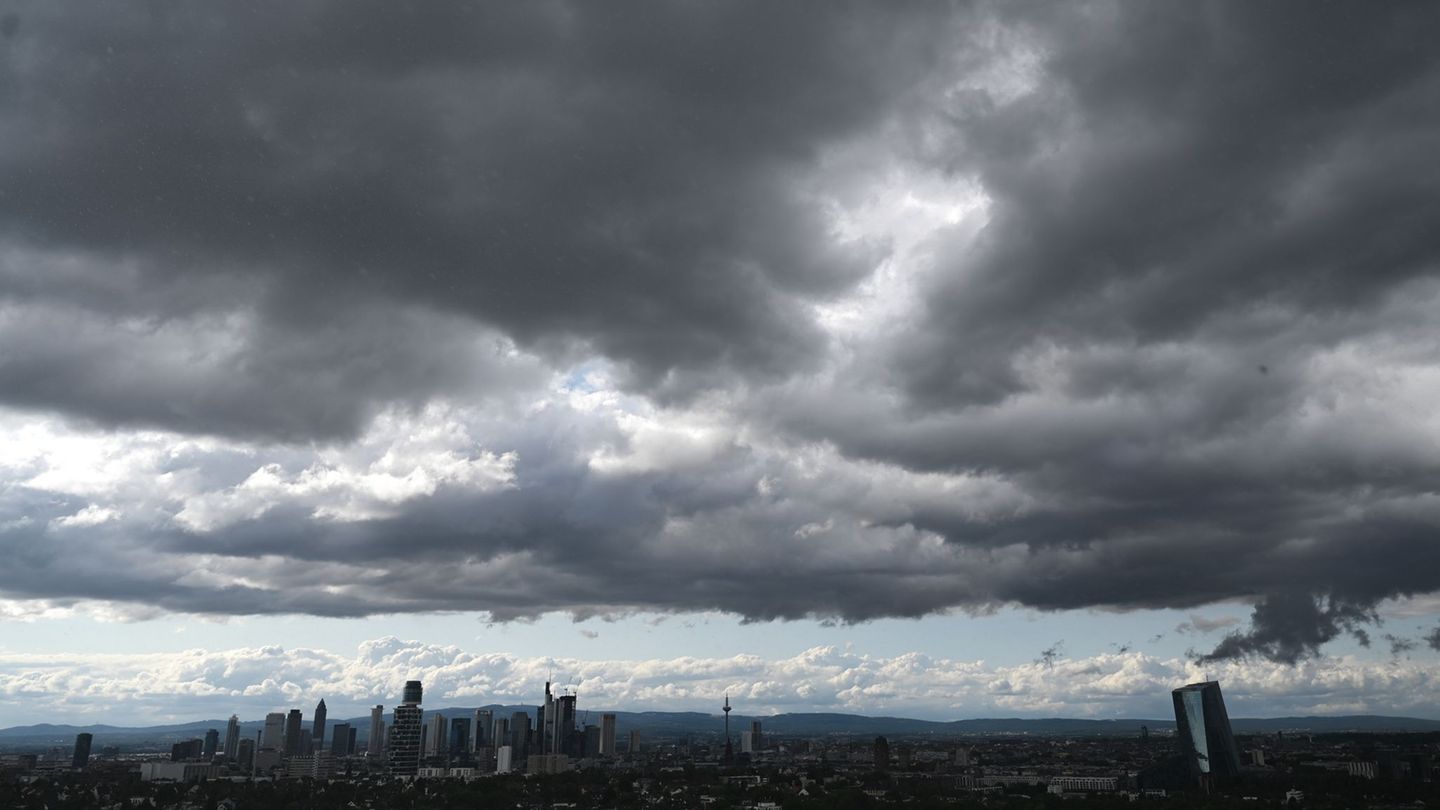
[(202, 684), (354, 308)]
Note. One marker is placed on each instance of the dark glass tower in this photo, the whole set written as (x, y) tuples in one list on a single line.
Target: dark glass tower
[(81, 756), (1203, 729), (292, 732), (459, 747)]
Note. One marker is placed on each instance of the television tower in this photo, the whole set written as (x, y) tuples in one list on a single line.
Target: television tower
[(729, 752)]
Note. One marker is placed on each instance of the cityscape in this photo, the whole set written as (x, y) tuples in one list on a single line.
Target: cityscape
[(719, 404), (537, 753)]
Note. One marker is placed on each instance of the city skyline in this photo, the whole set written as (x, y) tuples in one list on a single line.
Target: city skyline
[(961, 360), (1116, 685)]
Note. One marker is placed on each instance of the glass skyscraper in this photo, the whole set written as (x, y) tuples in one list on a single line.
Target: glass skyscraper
[(404, 744), (1203, 729)]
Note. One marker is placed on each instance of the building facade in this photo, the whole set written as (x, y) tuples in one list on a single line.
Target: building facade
[(1202, 728), (403, 746), (607, 735)]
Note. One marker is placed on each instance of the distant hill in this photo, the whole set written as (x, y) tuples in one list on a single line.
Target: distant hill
[(653, 725)]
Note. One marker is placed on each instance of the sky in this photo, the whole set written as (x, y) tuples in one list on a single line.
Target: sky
[(945, 360)]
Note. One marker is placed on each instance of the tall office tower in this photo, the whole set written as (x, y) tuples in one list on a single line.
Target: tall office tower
[(882, 754), (607, 735), (590, 736), (317, 733), (350, 735), (404, 746), (564, 725), (545, 722), (484, 727), (519, 736), (436, 736), (504, 759), (81, 756), (293, 723), (750, 742), (634, 746), (459, 742), (232, 738), (307, 743), (245, 754), (212, 744), (1203, 728), (377, 731), (274, 735), (500, 732), (340, 740)]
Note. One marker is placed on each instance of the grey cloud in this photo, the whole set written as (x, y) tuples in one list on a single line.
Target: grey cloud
[(1194, 212), (1051, 654), (1293, 626), (1172, 363), (1203, 624), (1399, 645), (628, 180)]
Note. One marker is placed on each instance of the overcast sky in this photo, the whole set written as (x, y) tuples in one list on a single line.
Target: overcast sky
[(862, 357)]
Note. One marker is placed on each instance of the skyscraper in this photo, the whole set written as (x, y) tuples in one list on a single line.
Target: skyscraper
[(544, 723), (882, 754), (565, 725), (404, 744), (317, 733), (500, 732), (484, 727), (607, 735), (274, 736), (520, 736), (750, 740), (340, 740), (590, 741), (232, 738), (1203, 729), (212, 744), (437, 736), (377, 731), (81, 756), (245, 754), (293, 723), (459, 744)]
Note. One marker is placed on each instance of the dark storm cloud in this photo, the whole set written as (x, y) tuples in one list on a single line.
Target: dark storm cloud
[(1178, 359), (625, 178), (1198, 209), (1293, 626)]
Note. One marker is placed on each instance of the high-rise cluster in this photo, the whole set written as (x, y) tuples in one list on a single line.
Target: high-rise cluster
[(545, 739)]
